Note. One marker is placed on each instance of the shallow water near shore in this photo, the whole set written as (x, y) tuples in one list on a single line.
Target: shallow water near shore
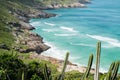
[(77, 30)]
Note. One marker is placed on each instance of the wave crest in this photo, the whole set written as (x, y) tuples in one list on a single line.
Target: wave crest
[(82, 44), (55, 51), (68, 29), (35, 23), (64, 34), (50, 24), (113, 42)]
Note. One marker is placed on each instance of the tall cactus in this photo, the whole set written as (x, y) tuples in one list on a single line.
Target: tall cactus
[(112, 66), (96, 76), (108, 76), (61, 77), (112, 73), (86, 74), (115, 70)]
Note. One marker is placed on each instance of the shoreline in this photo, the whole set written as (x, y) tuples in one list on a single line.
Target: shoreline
[(59, 63), (71, 66)]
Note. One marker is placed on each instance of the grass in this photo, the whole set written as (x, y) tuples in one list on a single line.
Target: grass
[(6, 36)]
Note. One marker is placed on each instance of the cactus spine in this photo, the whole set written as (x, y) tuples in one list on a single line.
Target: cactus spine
[(96, 77), (61, 77), (86, 74)]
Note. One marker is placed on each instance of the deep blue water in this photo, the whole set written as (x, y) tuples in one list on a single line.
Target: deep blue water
[(77, 30)]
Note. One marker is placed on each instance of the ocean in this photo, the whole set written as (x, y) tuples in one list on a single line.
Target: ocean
[(77, 31)]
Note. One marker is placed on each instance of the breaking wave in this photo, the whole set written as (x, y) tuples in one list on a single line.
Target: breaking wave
[(64, 34), (111, 41), (50, 24), (68, 29)]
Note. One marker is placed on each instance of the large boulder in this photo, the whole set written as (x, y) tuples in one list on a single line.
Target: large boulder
[(25, 25)]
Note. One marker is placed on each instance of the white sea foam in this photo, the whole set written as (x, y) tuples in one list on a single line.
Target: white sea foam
[(90, 45), (35, 23), (64, 34), (49, 30), (82, 44), (107, 46), (55, 51), (60, 54), (113, 42), (68, 29), (102, 70), (50, 24)]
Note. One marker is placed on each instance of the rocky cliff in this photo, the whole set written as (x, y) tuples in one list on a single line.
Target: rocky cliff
[(15, 14)]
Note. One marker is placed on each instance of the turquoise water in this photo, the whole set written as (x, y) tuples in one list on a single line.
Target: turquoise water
[(77, 30)]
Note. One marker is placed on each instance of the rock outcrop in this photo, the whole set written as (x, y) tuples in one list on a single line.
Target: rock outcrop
[(35, 44), (62, 4), (56, 6), (27, 41), (25, 25), (74, 5)]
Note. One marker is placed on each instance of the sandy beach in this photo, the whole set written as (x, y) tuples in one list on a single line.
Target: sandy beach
[(59, 63)]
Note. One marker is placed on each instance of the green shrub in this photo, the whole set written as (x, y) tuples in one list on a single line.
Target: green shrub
[(11, 65)]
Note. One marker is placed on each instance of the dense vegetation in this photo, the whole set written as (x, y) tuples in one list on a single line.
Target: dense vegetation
[(13, 68)]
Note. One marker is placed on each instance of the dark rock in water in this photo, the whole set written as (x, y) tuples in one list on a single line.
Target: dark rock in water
[(4, 46)]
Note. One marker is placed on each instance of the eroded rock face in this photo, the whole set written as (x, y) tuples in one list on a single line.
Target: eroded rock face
[(40, 14), (27, 41), (35, 43), (32, 41), (26, 25), (37, 49), (71, 5)]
